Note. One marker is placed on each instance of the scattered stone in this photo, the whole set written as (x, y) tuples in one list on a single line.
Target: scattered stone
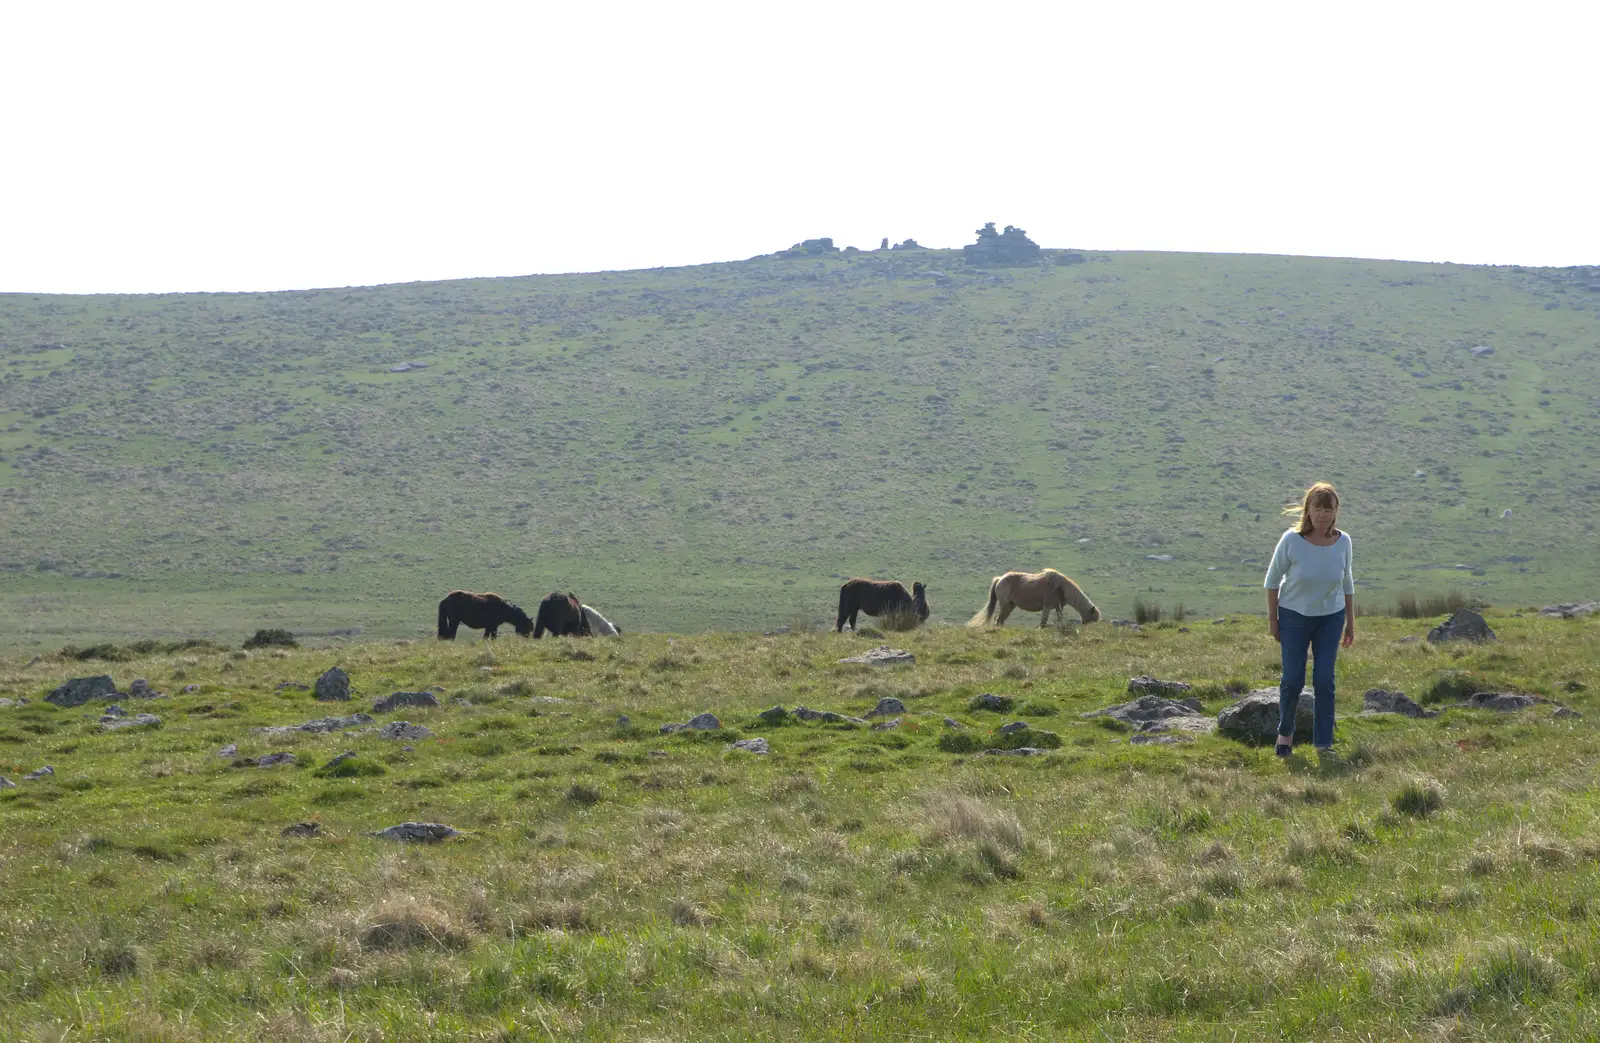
[(112, 712), (1020, 751), (302, 829), (140, 689), (886, 706), (190, 688), (318, 726), (1158, 557), (1463, 625), (269, 759), (1379, 701), (1126, 624), (1481, 351), (805, 713), (404, 730), (1572, 610), (229, 751), (883, 655), (883, 726), (990, 701), (1145, 685), (143, 720), (407, 367), (550, 699), (399, 699), (624, 721), (659, 753), (421, 832), (1500, 702), (776, 715), (1155, 713), (1567, 711), (750, 745), (80, 690), (333, 686), (38, 773), (1255, 717), (6, 783), (296, 685), (1014, 726), (1159, 739), (951, 722), (335, 762), (13, 702), (700, 722), (1219, 622)]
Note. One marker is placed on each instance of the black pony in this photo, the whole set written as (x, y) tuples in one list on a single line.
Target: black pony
[(483, 612), (562, 615), (881, 598)]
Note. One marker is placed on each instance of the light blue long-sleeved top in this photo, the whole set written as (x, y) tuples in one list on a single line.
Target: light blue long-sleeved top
[(1311, 580)]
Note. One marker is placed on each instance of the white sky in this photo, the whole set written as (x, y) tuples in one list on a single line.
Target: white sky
[(244, 145)]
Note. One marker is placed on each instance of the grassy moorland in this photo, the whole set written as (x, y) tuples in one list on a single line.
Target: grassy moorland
[(715, 447), (1438, 881)]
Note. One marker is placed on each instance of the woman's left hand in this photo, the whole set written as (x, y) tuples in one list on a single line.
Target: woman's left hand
[(1349, 637)]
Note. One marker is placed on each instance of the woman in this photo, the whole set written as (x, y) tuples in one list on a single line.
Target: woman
[(1310, 599)]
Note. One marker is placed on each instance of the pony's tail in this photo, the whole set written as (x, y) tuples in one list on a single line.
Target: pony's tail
[(984, 615), (444, 621)]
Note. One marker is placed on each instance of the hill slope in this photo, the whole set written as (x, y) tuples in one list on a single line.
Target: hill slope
[(717, 445)]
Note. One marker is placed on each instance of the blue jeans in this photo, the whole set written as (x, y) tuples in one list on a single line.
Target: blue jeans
[(1321, 635)]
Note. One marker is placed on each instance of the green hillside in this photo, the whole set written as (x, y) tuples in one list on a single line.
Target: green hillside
[(717, 446)]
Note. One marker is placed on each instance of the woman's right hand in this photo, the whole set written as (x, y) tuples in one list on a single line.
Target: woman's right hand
[(1272, 628)]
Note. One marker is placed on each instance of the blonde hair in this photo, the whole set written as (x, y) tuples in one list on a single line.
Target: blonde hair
[(1322, 494)]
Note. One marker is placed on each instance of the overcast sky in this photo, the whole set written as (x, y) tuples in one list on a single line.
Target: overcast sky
[(243, 145)]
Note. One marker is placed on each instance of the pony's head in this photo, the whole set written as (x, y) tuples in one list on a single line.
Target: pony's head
[(520, 620), (919, 595), (1091, 616)]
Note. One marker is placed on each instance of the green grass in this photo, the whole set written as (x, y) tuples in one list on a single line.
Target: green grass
[(718, 447), (610, 882)]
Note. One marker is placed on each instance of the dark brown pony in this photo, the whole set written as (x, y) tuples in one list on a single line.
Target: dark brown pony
[(562, 615), (880, 598), (483, 612)]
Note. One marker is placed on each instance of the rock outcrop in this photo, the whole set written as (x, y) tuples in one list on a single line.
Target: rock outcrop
[(1255, 717), (1463, 625), (1001, 248)]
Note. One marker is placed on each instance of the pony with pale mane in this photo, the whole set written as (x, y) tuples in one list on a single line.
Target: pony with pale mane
[(599, 625), (1034, 592)]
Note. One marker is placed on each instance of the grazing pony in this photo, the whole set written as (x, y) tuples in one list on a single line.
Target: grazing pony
[(483, 612), (1034, 592), (880, 598), (599, 625), (562, 615)]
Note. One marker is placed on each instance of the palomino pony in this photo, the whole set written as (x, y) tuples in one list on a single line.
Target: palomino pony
[(599, 625), (562, 615), (878, 597), (483, 612), (1034, 592)]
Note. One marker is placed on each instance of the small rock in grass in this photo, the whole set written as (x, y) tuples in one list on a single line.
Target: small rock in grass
[(624, 721), (951, 722), (1379, 701), (1463, 625), (1014, 726), (1146, 685), (423, 832), (230, 750), (140, 689), (990, 701), (775, 715), (1255, 717), (296, 685), (39, 773), (143, 720), (404, 730), (332, 686), (112, 712), (886, 706), (700, 722), (883, 655), (399, 699), (750, 745), (1500, 702), (883, 726), (269, 759), (320, 725), (340, 759), (302, 829), (190, 688), (545, 699), (6, 783), (1161, 739), (1567, 711), (1020, 751), (13, 702)]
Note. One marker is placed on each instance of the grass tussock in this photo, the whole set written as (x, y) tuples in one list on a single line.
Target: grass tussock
[(409, 923), (1420, 797), (953, 816)]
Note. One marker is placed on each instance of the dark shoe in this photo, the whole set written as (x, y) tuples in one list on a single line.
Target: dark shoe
[(1283, 749)]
